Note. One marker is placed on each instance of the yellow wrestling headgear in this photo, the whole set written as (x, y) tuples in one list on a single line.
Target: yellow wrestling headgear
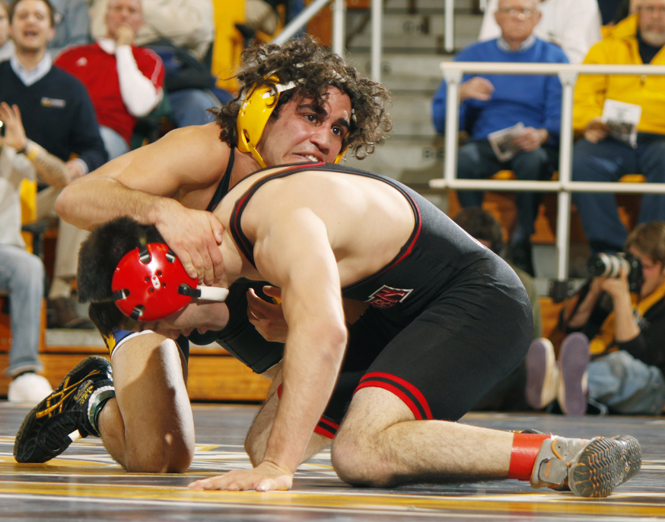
[(255, 111)]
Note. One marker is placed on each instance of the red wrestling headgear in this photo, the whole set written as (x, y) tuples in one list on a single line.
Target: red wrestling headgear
[(150, 283)]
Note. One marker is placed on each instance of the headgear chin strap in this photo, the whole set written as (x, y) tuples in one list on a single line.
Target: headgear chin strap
[(150, 283), (255, 111)]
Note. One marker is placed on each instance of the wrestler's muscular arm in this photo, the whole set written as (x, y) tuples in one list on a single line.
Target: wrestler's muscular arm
[(292, 250), (158, 184)]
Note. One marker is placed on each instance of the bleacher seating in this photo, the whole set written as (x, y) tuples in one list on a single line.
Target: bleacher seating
[(502, 206)]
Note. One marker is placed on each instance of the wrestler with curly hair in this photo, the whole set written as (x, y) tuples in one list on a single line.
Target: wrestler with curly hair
[(298, 103), (313, 68)]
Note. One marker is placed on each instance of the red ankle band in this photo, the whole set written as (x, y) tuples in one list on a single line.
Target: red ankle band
[(523, 455)]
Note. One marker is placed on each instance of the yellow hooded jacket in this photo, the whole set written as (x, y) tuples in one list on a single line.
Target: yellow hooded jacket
[(592, 90)]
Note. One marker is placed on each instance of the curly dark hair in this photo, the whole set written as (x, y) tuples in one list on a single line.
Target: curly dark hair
[(314, 69), (99, 255)]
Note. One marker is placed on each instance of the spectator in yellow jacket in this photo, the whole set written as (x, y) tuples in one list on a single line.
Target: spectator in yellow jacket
[(607, 152)]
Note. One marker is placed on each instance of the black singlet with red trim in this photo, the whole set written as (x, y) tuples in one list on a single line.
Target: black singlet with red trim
[(223, 185), (448, 319), (431, 259)]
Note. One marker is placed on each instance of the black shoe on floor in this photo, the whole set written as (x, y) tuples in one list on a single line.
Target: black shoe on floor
[(70, 412)]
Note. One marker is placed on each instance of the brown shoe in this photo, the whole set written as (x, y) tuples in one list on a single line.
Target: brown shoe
[(62, 314)]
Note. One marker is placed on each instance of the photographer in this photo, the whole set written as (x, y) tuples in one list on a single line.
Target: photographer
[(617, 323)]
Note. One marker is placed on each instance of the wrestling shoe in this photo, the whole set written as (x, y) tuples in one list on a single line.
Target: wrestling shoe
[(590, 468), (67, 414), (633, 454), (542, 374)]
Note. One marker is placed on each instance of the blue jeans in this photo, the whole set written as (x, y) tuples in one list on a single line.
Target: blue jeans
[(607, 161), (189, 106), (22, 276), (476, 160), (626, 385), (114, 144)]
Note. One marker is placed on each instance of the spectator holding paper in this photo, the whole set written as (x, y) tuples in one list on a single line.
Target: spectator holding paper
[(621, 120)]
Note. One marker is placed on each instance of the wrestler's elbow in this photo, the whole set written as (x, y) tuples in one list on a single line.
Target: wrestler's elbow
[(331, 341), (64, 204), (70, 205)]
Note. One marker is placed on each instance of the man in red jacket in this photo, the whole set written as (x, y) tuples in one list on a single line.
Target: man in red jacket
[(124, 81)]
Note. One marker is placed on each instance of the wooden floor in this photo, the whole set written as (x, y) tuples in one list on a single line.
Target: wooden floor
[(85, 484)]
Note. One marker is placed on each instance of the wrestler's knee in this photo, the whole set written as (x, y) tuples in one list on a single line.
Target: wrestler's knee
[(358, 462), (362, 452), (170, 453)]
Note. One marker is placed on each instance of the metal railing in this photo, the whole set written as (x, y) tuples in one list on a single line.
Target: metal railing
[(453, 72), (339, 29), (449, 26), (339, 24)]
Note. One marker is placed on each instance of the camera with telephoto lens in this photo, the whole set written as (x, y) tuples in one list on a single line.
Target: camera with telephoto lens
[(607, 265)]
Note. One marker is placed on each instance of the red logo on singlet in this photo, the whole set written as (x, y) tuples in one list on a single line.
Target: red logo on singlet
[(387, 297)]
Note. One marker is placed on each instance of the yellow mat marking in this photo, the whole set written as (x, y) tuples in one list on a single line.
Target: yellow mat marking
[(618, 504)]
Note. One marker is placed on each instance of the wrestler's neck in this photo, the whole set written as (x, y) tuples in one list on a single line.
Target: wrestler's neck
[(244, 166)]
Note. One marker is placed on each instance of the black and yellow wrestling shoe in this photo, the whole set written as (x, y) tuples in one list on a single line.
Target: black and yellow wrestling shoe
[(67, 414), (589, 467)]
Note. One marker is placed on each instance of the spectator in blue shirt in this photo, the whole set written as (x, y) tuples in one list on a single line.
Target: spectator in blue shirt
[(489, 103)]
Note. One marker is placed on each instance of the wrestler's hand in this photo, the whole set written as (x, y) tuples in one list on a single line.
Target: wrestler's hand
[(596, 130), (194, 236), (267, 476), (476, 88), (531, 139), (14, 132), (267, 318)]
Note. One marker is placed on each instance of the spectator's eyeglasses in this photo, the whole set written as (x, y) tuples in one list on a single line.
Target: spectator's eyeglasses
[(526, 13), (653, 9)]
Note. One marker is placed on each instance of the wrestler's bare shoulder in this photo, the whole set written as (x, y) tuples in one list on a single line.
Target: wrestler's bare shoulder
[(243, 186), (331, 194), (367, 221), (195, 154), (192, 140)]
